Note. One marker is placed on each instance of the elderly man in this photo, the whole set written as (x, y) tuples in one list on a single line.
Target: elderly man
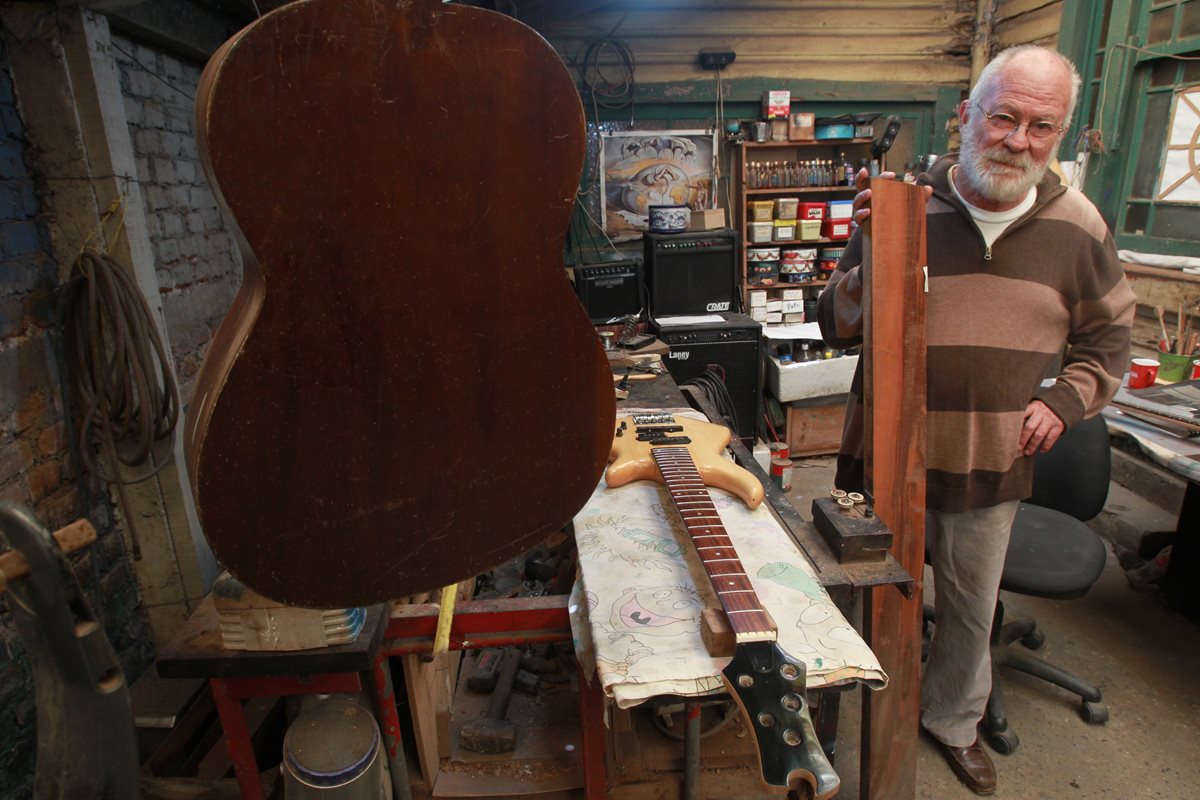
[(1019, 266)]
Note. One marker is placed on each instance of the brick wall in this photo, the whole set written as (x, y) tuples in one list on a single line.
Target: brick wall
[(35, 464), (198, 265)]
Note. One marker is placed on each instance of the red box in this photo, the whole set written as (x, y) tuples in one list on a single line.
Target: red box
[(835, 229), (811, 211)]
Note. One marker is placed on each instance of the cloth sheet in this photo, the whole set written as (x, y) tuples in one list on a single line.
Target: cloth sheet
[(637, 600)]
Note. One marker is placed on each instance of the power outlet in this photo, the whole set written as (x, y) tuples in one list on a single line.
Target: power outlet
[(716, 57)]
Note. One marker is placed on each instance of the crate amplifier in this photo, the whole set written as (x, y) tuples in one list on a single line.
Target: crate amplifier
[(609, 290), (733, 344), (690, 273)]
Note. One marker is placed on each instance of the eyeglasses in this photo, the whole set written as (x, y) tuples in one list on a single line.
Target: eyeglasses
[(1008, 125)]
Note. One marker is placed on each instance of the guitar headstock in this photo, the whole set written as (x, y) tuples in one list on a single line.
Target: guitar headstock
[(769, 685)]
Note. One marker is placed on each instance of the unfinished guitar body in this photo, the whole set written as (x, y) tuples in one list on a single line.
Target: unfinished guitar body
[(631, 460), (406, 392)]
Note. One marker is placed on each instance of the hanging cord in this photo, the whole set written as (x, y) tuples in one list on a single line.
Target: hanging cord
[(120, 376), (712, 384)]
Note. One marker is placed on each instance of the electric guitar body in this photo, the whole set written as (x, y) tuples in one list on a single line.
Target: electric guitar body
[(405, 391), (769, 686)]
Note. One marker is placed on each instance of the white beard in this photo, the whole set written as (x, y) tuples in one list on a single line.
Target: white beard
[(983, 170)]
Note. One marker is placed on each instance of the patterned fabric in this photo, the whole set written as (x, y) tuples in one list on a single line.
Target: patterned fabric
[(997, 321), (640, 591)]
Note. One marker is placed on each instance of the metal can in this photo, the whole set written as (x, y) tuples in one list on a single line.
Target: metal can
[(779, 450), (781, 473)]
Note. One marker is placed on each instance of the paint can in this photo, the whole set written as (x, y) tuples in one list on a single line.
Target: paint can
[(781, 473), (779, 450)]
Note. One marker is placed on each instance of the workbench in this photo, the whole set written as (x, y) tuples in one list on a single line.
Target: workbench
[(408, 629)]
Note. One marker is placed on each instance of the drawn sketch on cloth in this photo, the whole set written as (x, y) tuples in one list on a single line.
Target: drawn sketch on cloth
[(640, 169), (654, 551), (641, 615)]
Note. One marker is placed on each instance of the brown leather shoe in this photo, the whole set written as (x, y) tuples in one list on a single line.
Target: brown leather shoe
[(972, 765)]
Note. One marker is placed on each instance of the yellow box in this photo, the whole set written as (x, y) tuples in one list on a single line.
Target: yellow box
[(810, 229), (762, 210)]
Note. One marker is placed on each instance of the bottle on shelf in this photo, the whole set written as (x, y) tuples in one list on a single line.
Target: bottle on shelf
[(804, 354), (847, 171)]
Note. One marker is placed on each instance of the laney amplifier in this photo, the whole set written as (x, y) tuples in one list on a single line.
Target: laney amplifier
[(610, 290), (733, 345), (690, 273)]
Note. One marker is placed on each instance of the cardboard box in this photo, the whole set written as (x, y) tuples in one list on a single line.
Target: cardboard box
[(777, 104), (792, 294), (774, 318), (758, 299), (775, 305), (793, 306), (801, 126), (707, 219), (793, 319), (758, 314)]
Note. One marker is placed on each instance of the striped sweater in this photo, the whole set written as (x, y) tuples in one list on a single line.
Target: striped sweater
[(997, 322)]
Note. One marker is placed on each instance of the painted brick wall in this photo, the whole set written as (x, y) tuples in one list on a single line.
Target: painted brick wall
[(198, 265), (35, 466)]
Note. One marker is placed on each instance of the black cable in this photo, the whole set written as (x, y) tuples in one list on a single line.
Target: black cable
[(712, 384), (119, 372)]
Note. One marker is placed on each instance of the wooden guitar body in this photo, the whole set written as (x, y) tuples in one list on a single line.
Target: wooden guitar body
[(406, 391), (631, 459)]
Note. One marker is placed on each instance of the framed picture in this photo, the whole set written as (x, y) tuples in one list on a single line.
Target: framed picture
[(639, 169)]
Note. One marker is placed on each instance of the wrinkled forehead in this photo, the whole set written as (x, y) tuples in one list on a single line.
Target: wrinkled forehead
[(1034, 87)]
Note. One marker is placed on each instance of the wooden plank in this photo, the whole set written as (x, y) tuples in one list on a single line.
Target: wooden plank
[(815, 430), (895, 472)]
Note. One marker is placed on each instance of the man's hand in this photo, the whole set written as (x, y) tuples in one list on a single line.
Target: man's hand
[(862, 201), (1042, 428)]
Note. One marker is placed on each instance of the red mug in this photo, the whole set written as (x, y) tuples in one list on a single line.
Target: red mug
[(1142, 373), (1196, 369)]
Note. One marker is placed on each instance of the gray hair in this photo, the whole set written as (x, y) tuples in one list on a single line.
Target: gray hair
[(991, 73)]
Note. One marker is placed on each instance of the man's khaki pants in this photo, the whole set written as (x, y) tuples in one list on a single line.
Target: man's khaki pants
[(967, 552)]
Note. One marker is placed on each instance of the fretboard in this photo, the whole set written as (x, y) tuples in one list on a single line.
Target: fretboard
[(749, 621)]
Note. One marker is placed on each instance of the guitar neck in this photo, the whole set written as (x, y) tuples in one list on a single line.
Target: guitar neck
[(747, 618)]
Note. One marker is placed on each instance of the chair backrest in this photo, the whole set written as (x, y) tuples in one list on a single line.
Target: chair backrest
[(1073, 477)]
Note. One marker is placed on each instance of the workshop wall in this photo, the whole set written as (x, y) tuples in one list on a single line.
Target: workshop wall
[(35, 464), (1027, 22), (197, 262), (924, 42)]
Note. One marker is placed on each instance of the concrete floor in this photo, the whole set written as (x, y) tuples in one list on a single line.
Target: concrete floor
[(1144, 658)]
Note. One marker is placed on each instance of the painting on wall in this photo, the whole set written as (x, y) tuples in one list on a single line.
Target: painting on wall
[(1179, 181), (640, 169)]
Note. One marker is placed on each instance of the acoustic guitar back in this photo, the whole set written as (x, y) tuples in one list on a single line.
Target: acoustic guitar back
[(405, 392)]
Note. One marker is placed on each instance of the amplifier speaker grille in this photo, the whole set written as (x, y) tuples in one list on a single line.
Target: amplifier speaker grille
[(733, 345)]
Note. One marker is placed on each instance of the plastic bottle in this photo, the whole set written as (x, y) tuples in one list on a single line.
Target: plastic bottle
[(847, 171)]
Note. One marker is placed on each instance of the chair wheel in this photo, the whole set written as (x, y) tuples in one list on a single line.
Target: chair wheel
[(1094, 713), (1004, 742), (1034, 639)]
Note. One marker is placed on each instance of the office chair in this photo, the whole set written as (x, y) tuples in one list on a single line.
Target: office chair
[(1052, 554)]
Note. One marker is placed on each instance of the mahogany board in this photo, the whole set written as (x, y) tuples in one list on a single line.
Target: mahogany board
[(406, 391), (894, 300)]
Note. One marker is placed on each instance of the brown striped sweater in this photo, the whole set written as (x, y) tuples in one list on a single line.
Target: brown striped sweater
[(997, 323)]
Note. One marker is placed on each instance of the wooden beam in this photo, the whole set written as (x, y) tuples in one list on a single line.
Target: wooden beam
[(981, 45), (895, 473)]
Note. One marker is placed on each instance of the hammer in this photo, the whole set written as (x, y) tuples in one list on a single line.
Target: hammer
[(495, 734)]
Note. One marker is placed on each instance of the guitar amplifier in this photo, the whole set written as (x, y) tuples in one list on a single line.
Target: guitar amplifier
[(733, 345), (690, 273), (609, 290)]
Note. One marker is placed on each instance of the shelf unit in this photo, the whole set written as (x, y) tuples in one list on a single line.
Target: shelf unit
[(758, 152)]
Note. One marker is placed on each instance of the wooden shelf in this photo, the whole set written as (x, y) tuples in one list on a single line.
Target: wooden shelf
[(752, 286), (801, 190), (795, 243), (813, 143)]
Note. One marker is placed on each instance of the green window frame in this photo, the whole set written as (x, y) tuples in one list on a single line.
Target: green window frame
[(1128, 51)]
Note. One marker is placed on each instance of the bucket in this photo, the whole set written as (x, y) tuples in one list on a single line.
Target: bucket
[(1172, 367)]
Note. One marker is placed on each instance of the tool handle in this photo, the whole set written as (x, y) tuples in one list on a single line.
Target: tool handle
[(498, 707), (77, 535)]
